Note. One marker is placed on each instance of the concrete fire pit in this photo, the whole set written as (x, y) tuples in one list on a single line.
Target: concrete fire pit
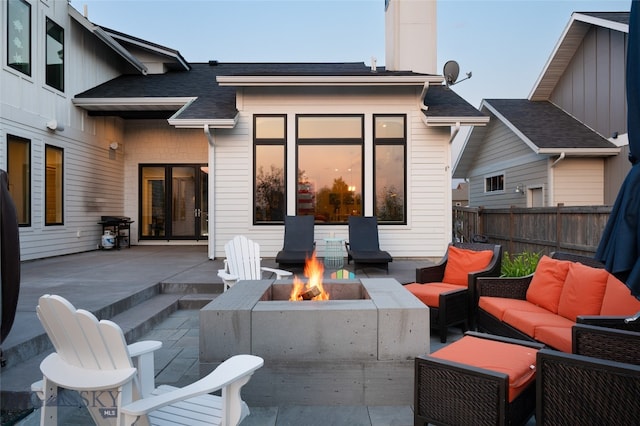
[(356, 349)]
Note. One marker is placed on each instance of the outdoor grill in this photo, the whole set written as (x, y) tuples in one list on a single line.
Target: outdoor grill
[(117, 224)]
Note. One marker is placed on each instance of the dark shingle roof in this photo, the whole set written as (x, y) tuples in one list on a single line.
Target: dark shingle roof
[(547, 126), (215, 101), (444, 102)]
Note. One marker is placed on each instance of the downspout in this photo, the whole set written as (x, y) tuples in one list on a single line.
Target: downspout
[(559, 159), (210, 138), (424, 107), (454, 132), (211, 253), (421, 104)]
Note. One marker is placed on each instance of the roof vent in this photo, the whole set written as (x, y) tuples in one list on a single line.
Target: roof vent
[(373, 64), (213, 63)]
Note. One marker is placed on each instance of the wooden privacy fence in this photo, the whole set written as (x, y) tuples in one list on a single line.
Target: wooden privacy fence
[(535, 229)]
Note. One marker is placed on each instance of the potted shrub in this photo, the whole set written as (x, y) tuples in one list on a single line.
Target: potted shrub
[(519, 265)]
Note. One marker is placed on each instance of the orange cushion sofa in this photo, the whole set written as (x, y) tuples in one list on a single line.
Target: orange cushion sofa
[(565, 289)]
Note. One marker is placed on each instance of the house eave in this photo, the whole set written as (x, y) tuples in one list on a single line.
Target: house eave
[(107, 39), (224, 123), (319, 80), (129, 104), (156, 49), (580, 152), (455, 121)]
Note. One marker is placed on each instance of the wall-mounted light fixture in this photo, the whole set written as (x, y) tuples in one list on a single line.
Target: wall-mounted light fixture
[(53, 125), (114, 145), (519, 189)]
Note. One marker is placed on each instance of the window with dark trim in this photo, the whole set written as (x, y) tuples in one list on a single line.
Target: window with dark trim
[(19, 173), (19, 36), (54, 47), (390, 142), (269, 159), (494, 183), (329, 155), (53, 186)]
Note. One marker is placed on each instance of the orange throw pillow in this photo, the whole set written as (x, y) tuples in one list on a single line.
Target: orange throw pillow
[(618, 300), (583, 291), (462, 261), (547, 282)]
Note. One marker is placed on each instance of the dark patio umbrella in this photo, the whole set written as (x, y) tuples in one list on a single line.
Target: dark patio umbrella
[(9, 256), (619, 248)]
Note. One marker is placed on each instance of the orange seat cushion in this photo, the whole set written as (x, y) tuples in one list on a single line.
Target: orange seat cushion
[(547, 282), (583, 291), (429, 293), (497, 306), (517, 362), (559, 338), (462, 261), (528, 321), (617, 299)]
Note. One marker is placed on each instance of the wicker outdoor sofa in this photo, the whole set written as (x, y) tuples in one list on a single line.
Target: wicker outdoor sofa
[(506, 306), (598, 384)]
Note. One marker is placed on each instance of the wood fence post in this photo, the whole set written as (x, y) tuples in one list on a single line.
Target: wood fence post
[(510, 245), (558, 226)]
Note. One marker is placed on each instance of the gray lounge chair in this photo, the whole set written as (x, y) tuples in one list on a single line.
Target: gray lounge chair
[(299, 241), (363, 246)]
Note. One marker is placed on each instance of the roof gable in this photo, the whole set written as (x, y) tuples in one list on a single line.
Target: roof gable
[(569, 42)]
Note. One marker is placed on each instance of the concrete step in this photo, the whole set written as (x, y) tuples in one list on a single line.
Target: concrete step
[(135, 322), (190, 288), (31, 340), (196, 301)]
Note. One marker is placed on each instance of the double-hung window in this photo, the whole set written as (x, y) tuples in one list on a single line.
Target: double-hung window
[(55, 55), (19, 173), (494, 183), (19, 36), (53, 186), (269, 135), (390, 141)]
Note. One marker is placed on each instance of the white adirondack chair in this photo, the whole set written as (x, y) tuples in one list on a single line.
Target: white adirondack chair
[(243, 262), (116, 380)]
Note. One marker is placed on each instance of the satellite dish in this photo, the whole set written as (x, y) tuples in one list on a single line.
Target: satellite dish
[(451, 71)]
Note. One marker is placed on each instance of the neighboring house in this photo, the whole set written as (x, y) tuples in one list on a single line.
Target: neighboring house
[(195, 153), (460, 195), (566, 143)]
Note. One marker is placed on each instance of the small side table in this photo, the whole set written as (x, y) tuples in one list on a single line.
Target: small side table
[(333, 256)]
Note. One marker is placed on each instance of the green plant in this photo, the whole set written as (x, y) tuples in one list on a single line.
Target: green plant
[(519, 265)]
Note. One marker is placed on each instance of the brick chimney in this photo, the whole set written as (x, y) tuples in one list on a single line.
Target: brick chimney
[(410, 36)]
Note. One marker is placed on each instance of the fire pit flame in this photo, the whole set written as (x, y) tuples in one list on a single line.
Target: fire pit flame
[(312, 290)]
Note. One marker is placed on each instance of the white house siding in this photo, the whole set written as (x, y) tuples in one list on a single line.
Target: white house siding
[(578, 182), (505, 153), (92, 173), (428, 228), (155, 142)]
